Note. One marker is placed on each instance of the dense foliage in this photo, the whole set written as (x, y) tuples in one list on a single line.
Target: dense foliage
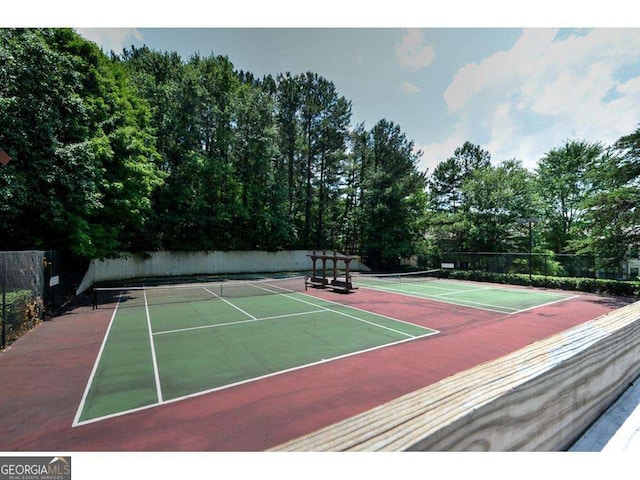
[(593, 285), (145, 150), (581, 199)]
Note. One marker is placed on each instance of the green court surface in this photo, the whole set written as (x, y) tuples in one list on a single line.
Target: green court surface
[(157, 351), (495, 298)]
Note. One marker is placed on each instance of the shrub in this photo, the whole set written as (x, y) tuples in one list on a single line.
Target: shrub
[(593, 285), (24, 311)]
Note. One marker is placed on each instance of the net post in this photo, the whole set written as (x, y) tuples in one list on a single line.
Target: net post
[(94, 302)]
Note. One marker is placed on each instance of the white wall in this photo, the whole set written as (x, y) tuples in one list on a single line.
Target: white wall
[(632, 263), (165, 264)]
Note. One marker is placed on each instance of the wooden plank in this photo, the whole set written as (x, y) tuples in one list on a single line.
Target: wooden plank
[(541, 397)]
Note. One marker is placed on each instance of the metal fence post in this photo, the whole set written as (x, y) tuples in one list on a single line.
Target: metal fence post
[(3, 341)]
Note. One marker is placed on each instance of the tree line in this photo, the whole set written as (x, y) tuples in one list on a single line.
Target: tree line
[(144, 150), (581, 199)]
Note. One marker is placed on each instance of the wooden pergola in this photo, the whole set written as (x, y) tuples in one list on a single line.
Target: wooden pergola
[(322, 280)]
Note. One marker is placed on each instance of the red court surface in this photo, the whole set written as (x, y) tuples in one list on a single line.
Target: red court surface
[(44, 374)]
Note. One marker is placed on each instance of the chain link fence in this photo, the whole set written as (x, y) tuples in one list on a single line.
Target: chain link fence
[(546, 264)]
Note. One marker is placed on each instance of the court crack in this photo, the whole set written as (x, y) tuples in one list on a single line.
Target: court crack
[(256, 357)]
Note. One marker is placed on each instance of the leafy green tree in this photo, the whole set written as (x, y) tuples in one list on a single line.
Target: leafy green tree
[(495, 199), (564, 186), (447, 224), (356, 169), (288, 102), (193, 112), (335, 132), (43, 127), (394, 198), (161, 78), (220, 195), (325, 119), (263, 220), (445, 183), (130, 165), (174, 93), (612, 218), (84, 157)]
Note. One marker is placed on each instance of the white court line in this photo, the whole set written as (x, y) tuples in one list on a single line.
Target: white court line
[(76, 420), (346, 314), (428, 284), (229, 303), (425, 296), (513, 288), (463, 303), (156, 374), (351, 316), (431, 332), (367, 311), (324, 309), (544, 304), (240, 322), (249, 380), (356, 318), (463, 291)]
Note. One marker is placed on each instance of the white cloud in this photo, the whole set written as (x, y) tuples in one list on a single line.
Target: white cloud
[(434, 153), (409, 88), (525, 101), (502, 70), (503, 128), (632, 87), (111, 38), (411, 52)]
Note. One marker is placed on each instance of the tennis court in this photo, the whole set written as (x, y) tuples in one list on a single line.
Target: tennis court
[(501, 299), (248, 366), (169, 343), (166, 344)]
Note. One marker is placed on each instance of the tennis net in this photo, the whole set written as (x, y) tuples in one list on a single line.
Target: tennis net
[(382, 279), (141, 296)]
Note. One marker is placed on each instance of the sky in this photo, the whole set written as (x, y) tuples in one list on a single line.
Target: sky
[(515, 86)]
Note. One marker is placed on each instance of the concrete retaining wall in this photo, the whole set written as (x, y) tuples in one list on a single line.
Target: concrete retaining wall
[(166, 264), (540, 398)]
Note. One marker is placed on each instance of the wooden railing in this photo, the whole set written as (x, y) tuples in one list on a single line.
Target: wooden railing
[(539, 398)]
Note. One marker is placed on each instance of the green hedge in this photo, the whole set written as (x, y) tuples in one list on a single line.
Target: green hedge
[(593, 285), (24, 311)]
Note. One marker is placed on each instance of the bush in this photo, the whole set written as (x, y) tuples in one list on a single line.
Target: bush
[(24, 312), (593, 285)]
